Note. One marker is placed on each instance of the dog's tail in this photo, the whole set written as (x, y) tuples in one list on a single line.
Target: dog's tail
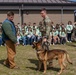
[(68, 58)]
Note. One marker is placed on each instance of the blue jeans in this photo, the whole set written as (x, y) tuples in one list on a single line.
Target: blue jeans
[(63, 40), (69, 36), (33, 38), (29, 40), (0, 40), (38, 38), (24, 39)]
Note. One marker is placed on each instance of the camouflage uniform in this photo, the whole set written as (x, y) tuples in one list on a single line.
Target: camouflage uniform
[(45, 26)]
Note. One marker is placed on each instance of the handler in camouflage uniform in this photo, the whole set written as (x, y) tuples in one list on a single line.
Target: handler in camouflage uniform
[(45, 28), (45, 25)]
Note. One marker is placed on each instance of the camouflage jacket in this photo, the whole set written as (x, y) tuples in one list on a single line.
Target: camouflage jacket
[(45, 26)]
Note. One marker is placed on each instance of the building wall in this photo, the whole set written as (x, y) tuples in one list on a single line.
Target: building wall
[(55, 16), (68, 16), (34, 16), (3, 16)]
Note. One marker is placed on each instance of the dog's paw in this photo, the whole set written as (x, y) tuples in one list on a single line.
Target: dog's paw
[(44, 72), (59, 73)]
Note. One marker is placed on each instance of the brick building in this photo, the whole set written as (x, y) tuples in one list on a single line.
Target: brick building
[(29, 10)]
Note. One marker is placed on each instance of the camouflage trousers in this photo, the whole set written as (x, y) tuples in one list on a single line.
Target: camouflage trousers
[(48, 37)]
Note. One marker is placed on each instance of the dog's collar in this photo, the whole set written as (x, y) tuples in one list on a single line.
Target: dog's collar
[(39, 51)]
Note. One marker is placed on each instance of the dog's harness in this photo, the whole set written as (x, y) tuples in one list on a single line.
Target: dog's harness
[(39, 51)]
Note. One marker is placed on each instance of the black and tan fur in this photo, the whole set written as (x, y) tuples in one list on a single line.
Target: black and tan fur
[(45, 56)]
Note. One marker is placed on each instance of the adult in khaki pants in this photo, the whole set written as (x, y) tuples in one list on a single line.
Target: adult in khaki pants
[(9, 36)]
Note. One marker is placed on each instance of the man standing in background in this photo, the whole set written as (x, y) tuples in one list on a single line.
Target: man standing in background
[(9, 36)]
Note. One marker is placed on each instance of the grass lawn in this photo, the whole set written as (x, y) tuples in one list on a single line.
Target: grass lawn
[(27, 60)]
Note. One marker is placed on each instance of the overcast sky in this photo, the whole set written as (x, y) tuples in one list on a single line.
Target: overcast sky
[(73, 0)]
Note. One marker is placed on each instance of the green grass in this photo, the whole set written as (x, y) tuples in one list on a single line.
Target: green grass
[(27, 60)]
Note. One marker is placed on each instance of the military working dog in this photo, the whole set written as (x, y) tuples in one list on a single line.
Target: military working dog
[(45, 56)]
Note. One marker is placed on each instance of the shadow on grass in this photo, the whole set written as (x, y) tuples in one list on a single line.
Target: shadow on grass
[(73, 45), (54, 69), (33, 61), (1, 62), (32, 68), (36, 63)]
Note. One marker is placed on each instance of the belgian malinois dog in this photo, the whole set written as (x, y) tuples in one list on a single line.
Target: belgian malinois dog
[(45, 56)]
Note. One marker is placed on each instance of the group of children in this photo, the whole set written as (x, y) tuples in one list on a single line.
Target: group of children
[(60, 33)]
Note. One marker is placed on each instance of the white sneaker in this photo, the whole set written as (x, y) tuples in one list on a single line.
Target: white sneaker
[(53, 44), (67, 41), (1, 45)]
